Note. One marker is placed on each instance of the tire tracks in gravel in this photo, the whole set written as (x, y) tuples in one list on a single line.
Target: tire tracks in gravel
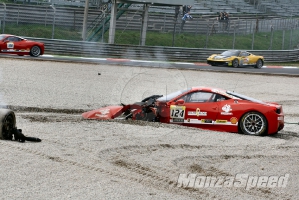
[(138, 173), (148, 175), (123, 167)]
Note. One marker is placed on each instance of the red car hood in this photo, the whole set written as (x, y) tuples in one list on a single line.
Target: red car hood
[(109, 112)]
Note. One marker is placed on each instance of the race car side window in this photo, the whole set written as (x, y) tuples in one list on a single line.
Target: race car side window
[(243, 54), (198, 97), (13, 39), (220, 97)]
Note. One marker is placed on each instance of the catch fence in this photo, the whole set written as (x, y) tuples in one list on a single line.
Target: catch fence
[(67, 22)]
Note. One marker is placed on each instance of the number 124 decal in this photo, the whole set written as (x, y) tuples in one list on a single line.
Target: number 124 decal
[(177, 111)]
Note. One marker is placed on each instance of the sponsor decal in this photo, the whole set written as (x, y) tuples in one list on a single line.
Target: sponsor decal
[(22, 50), (246, 60), (177, 120), (197, 113), (227, 110), (103, 112), (233, 120), (225, 113), (221, 121), (208, 121)]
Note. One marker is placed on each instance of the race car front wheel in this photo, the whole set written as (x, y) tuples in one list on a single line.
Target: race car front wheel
[(235, 63), (7, 124), (253, 123), (259, 63), (35, 51)]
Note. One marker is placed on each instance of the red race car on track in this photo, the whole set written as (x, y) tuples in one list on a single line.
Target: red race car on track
[(202, 107), (12, 44)]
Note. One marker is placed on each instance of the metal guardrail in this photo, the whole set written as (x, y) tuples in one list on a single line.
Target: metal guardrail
[(161, 53)]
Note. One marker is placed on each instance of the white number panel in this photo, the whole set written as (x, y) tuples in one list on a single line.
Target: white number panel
[(10, 45), (177, 112)]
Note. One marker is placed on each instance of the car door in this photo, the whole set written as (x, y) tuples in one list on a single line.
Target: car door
[(252, 59), (229, 110), (18, 44), (13, 44), (199, 108), (245, 59), (8, 45)]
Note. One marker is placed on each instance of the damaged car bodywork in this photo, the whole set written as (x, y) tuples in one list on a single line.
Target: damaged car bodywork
[(202, 107)]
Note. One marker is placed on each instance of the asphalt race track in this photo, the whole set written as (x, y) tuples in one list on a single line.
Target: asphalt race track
[(274, 70)]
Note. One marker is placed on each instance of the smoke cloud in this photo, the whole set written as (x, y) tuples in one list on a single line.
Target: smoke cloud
[(2, 103)]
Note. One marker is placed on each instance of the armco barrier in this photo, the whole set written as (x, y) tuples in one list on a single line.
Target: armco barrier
[(103, 50)]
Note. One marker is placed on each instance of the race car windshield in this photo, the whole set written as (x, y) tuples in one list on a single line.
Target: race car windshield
[(172, 95), (230, 53), (2, 37), (241, 96)]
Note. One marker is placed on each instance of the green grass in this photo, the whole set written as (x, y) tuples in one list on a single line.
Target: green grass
[(43, 31), (262, 41), (219, 41)]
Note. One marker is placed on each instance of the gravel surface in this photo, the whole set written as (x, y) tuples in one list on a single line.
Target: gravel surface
[(86, 159)]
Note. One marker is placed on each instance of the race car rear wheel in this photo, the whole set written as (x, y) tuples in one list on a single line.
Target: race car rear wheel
[(235, 63), (7, 124), (35, 51), (253, 123), (259, 64)]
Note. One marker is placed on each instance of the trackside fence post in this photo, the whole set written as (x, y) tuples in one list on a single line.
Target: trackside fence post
[(4, 18), (207, 37), (291, 37), (283, 35), (252, 42), (271, 41), (54, 15), (234, 39)]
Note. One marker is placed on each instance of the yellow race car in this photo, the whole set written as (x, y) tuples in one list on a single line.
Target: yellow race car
[(236, 58)]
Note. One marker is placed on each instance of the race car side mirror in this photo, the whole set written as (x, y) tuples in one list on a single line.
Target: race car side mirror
[(180, 102)]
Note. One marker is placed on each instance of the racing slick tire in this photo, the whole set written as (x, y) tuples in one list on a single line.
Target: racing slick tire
[(259, 64), (7, 123), (235, 63), (253, 123), (35, 51)]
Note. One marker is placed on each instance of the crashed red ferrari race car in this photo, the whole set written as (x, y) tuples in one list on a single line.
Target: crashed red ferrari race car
[(202, 107)]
